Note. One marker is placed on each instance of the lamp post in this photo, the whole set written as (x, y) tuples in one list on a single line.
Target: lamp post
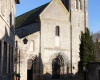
[(25, 40)]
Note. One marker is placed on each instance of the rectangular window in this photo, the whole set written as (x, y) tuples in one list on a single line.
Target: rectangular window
[(5, 59), (12, 19), (12, 59), (9, 60), (32, 46)]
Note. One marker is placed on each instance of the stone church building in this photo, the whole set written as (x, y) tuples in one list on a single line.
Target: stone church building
[(48, 40), (7, 38)]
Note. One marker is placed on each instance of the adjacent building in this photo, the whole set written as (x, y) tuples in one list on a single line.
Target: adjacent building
[(97, 49), (98, 40), (48, 40), (7, 38)]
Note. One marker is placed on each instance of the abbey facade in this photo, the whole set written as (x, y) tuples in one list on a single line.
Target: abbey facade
[(7, 38), (48, 40)]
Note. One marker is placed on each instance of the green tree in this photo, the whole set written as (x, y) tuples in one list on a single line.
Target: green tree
[(87, 48)]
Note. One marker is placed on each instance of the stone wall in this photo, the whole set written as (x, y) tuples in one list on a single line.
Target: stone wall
[(78, 18), (55, 15), (7, 25), (50, 45), (32, 34)]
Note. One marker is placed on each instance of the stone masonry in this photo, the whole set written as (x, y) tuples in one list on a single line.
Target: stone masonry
[(44, 46), (7, 38)]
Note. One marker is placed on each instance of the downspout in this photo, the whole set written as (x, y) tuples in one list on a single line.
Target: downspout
[(70, 37), (40, 49)]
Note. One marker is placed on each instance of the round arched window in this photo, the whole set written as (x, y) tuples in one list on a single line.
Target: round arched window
[(57, 31)]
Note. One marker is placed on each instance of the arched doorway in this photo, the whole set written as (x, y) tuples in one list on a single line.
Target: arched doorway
[(58, 68), (30, 69)]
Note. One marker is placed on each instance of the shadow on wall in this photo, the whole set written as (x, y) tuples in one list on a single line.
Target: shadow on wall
[(22, 32), (57, 71), (6, 54), (37, 71), (26, 31)]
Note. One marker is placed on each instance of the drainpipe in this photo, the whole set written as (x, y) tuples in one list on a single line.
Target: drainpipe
[(70, 37), (40, 49)]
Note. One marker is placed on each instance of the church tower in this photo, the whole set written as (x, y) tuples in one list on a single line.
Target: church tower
[(79, 6), (78, 21), (53, 42)]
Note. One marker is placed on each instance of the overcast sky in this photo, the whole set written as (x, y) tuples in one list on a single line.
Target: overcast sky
[(93, 11)]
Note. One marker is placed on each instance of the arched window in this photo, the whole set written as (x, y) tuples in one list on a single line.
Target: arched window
[(57, 31)]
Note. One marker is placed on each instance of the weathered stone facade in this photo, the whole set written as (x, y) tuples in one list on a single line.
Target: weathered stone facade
[(7, 38), (56, 36)]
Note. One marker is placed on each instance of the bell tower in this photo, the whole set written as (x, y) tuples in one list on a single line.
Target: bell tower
[(78, 22), (77, 6)]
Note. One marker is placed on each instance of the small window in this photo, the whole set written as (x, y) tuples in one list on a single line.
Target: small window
[(9, 66), (57, 31), (16, 44), (10, 19), (5, 59), (32, 46), (12, 61)]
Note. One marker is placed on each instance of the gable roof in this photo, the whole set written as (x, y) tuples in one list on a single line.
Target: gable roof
[(29, 17)]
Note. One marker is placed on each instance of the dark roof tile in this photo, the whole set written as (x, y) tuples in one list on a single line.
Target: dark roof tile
[(29, 17)]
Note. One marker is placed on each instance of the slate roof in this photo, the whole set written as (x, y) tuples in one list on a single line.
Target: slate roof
[(29, 17)]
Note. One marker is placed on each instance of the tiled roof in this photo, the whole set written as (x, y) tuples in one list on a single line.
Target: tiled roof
[(29, 17)]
